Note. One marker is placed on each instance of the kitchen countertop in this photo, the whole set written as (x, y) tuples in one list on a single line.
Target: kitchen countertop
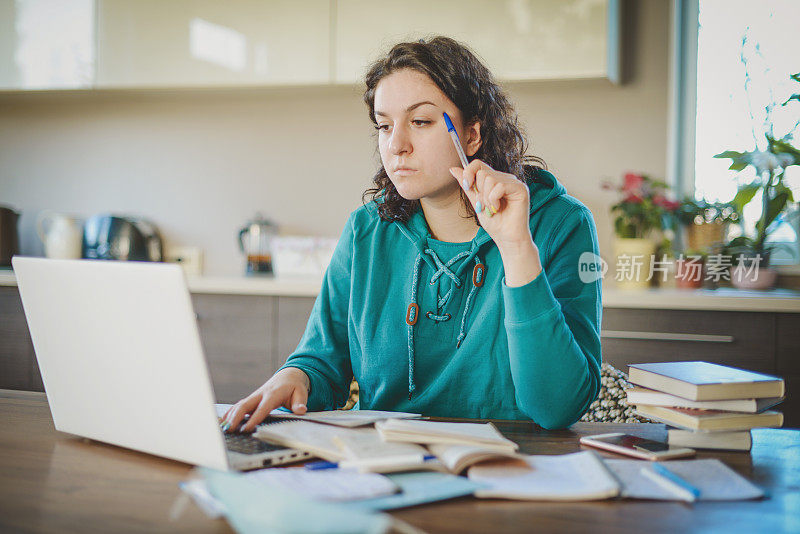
[(723, 299)]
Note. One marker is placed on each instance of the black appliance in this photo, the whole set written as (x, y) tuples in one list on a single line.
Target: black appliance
[(9, 235), (109, 237)]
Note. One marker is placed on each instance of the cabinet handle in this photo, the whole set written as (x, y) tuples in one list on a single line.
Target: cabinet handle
[(665, 336)]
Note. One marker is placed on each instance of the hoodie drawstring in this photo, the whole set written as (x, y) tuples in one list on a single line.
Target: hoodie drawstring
[(412, 313)]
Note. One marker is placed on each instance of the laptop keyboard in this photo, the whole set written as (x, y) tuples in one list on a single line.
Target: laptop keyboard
[(247, 444)]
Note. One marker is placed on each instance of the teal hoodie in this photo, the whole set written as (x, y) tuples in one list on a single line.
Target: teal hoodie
[(478, 348)]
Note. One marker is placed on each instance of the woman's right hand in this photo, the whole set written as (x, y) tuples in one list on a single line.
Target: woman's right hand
[(288, 387)]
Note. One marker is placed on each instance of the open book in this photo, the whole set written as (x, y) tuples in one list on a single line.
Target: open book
[(368, 452), (364, 450)]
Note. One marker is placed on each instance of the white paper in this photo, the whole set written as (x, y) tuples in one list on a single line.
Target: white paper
[(567, 477), (326, 484), (346, 418), (316, 438), (442, 432), (715, 480)]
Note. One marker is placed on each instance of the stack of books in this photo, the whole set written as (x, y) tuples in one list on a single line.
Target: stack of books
[(707, 406)]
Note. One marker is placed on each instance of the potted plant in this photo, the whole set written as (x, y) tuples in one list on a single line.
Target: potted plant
[(689, 268), (643, 211), (706, 223), (751, 252)]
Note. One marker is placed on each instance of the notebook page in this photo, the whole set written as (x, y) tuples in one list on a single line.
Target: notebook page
[(428, 431), (369, 446), (567, 477), (715, 480), (315, 438), (327, 484), (458, 457)]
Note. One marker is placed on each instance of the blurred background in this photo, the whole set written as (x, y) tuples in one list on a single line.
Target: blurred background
[(231, 137), (198, 114)]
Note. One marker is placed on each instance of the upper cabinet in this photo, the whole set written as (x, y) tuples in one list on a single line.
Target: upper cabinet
[(75, 44), (152, 43), (517, 39), (47, 44)]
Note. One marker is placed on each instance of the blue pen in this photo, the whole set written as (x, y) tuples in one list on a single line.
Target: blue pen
[(317, 466), (456, 141), (680, 485), (464, 162)]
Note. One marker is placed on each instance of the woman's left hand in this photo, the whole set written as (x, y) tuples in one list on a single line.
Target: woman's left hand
[(501, 201)]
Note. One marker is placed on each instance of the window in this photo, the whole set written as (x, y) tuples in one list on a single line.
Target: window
[(745, 52)]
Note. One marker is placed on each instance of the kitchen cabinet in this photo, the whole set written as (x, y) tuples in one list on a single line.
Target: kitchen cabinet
[(788, 364), (520, 40), (291, 319), (110, 44), (237, 335), (246, 338), (151, 43), (47, 45), (18, 369), (740, 339), (763, 342)]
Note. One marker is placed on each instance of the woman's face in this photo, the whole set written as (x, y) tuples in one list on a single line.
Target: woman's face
[(415, 148)]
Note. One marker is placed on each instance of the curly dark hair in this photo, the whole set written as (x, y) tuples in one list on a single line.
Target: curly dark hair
[(472, 88)]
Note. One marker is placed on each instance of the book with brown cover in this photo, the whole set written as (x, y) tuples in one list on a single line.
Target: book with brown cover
[(701, 381), (639, 395)]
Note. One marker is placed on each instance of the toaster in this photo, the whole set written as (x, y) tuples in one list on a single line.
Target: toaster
[(109, 237)]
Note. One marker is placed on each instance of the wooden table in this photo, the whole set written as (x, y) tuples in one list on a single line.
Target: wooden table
[(53, 482)]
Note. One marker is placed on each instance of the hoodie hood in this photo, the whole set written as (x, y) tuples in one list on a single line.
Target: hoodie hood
[(542, 186)]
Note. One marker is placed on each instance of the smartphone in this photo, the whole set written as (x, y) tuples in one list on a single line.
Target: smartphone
[(635, 446)]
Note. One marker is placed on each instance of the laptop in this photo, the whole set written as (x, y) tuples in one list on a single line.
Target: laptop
[(121, 360)]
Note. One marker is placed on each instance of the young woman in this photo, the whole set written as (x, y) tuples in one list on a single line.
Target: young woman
[(452, 292)]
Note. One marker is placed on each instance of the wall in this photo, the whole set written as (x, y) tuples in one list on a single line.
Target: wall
[(200, 163)]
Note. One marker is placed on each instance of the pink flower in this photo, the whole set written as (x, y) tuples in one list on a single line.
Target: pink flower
[(632, 198), (672, 205), (664, 202), (633, 182)]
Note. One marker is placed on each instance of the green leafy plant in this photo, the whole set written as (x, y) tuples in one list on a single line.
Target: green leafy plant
[(770, 166)]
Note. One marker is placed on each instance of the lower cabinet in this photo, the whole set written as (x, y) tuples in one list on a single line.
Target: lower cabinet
[(18, 369), (762, 342), (739, 339), (246, 338), (237, 333), (787, 334)]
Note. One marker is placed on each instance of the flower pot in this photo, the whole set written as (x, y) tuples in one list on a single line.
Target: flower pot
[(632, 260), (703, 237), (744, 276), (689, 273)]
